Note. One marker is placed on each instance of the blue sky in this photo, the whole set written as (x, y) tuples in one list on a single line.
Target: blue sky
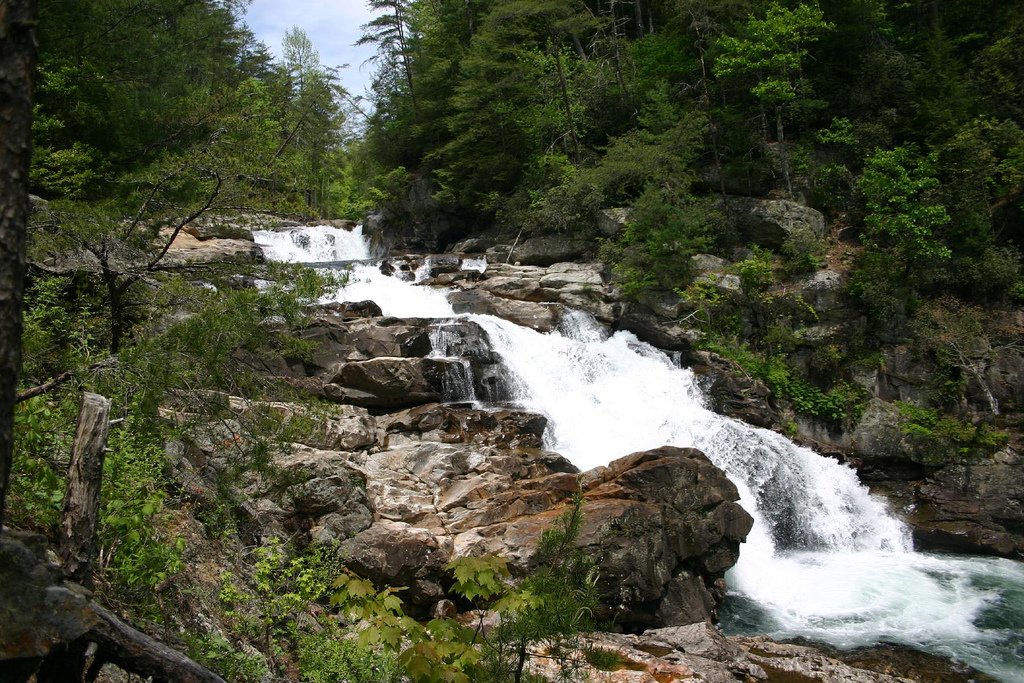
[(332, 25)]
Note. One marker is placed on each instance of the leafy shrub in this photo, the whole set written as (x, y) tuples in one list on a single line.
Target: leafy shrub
[(944, 437), (43, 430), (139, 550), (757, 273), (218, 654), (804, 252), (330, 657), (654, 250)]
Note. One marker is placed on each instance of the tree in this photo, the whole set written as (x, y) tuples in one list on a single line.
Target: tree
[(903, 211), (312, 121), (389, 30), (17, 67), (773, 51)]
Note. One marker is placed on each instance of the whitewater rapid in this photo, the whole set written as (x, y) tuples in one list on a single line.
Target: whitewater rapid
[(825, 560)]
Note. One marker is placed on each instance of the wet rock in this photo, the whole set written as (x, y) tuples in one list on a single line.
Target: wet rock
[(390, 382), (436, 264), (542, 317), (451, 424), (734, 392), (351, 310), (343, 340), (665, 526)]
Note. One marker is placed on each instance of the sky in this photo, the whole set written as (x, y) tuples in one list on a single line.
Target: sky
[(332, 25)]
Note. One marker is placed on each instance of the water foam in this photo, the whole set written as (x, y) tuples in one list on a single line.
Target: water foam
[(825, 560)]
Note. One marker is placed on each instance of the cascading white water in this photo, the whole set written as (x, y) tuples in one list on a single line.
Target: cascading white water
[(825, 559), (326, 246)]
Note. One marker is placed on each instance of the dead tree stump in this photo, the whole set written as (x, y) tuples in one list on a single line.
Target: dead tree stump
[(78, 544)]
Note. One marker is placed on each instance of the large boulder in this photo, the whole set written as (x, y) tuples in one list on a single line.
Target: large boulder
[(542, 317), (186, 249), (665, 526), (387, 382), (769, 222), (547, 250), (38, 612)]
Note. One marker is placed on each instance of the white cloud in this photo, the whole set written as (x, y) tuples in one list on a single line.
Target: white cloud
[(332, 25)]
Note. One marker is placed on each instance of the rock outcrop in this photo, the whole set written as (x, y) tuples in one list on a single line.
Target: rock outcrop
[(769, 222), (439, 482)]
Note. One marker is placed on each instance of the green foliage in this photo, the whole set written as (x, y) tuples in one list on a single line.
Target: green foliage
[(842, 403), (774, 49), (943, 438), (757, 273), (655, 248), (479, 577), (42, 442), (138, 547), (804, 252), (64, 328), (903, 211), (218, 654), (328, 656)]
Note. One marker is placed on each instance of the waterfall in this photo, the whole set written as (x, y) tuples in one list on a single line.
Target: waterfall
[(825, 560)]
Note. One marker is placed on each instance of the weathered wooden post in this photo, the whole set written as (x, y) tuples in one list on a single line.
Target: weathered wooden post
[(78, 545)]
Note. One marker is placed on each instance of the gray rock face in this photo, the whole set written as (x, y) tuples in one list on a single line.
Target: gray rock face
[(610, 222), (878, 435), (37, 612), (655, 330), (542, 317), (547, 250), (390, 382), (414, 221), (768, 222), (825, 292)]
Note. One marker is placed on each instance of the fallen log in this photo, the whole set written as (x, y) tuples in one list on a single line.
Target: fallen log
[(132, 650)]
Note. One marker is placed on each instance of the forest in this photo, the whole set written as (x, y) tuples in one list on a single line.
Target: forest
[(900, 121)]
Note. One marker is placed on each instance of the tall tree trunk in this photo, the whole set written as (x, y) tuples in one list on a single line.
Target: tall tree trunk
[(570, 124), (78, 548), (638, 15), (783, 154), (17, 67), (404, 47)]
